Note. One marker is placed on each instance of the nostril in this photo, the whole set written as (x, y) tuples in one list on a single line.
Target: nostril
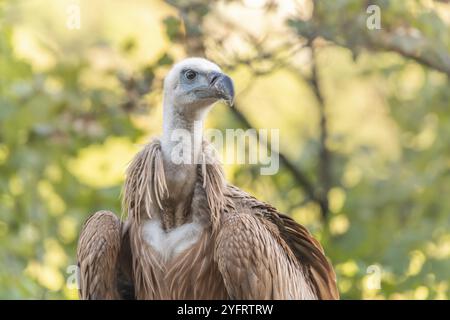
[(214, 78)]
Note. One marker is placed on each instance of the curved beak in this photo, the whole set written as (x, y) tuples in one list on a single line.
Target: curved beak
[(222, 86)]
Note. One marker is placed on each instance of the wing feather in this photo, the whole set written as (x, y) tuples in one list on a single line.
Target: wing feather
[(97, 254), (310, 253), (254, 261), (265, 254)]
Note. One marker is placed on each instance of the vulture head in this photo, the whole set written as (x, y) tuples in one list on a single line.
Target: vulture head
[(194, 84)]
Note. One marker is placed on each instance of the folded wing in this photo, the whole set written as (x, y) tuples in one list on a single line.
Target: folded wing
[(263, 254), (102, 258)]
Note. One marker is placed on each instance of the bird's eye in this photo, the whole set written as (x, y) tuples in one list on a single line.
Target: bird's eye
[(190, 74)]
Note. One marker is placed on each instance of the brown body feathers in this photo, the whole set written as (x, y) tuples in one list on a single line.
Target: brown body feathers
[(245, 248)]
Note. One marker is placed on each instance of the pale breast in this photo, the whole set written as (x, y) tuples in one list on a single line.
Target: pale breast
[(169, 244), (177, 264)]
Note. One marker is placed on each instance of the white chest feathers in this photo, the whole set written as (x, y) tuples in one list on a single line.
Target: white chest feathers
[(170, 244)]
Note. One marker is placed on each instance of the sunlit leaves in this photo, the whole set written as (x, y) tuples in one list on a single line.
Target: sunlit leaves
[(74, 105), (103, 165), (173, 28)]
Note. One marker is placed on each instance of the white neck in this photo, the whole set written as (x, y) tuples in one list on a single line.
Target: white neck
[(182, 128)]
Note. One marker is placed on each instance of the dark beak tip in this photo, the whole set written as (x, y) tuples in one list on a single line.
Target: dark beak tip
[(229, 90), (224, 87), (230, 102)]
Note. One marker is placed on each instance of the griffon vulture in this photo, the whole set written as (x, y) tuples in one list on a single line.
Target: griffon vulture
[(188, 233)]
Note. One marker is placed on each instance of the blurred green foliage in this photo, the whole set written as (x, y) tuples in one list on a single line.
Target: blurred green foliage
[(76, 104)]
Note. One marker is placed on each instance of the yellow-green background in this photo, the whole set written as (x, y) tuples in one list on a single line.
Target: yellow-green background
[(76, 104)]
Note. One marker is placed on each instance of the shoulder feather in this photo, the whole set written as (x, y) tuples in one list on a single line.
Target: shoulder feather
[(97, 254), (306, 249)]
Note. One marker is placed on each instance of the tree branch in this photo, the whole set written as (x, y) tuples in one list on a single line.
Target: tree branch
[(324, 154), (407, 41), (298, 175), (416, 48)]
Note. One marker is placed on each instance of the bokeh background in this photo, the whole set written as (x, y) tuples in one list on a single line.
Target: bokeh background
[(364, 119)]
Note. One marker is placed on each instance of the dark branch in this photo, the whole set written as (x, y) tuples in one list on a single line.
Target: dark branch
[(417, 48), (298, 175), (324, 154)]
